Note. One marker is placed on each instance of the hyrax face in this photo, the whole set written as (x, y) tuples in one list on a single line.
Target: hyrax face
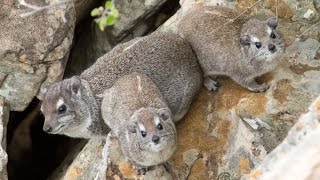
[(261, 39), (153, 129), (63, 108)]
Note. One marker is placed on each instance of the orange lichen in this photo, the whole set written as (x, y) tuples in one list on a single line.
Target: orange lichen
[(127, 170), (244, 165), (282, 90), (74, 173), (22, 57), (231, 93), (255, 174)]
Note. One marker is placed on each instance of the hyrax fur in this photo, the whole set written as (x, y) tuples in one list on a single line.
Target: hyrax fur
[(138, 115), (72, 107), (242, 49)]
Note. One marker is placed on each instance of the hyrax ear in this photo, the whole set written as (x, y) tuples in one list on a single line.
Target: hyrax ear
[(272, 22), (75, 84), (164, 113), (245, 40), (132, 127)]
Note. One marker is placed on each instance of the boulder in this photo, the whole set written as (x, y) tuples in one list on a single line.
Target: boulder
[(33, 50), (297, 157)]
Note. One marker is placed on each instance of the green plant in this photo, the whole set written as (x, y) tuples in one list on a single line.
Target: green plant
[(106, 16)]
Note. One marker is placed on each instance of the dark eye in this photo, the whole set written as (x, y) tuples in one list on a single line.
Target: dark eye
[(159, 126), (272, 35), (258, 44), (62, 109), (143, 133)]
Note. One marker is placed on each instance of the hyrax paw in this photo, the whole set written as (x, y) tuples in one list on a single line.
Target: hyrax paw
[(211, 85), (141, 170), (260, 88)]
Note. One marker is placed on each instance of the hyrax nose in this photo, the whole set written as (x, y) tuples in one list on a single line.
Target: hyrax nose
[(47, 128), (272, 48), (155, 139)]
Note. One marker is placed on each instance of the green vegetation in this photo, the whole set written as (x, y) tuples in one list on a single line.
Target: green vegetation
[(106, 16)]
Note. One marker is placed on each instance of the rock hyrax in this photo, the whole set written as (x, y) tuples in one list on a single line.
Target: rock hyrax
[(70, 107), (138, 115), (241, 49)]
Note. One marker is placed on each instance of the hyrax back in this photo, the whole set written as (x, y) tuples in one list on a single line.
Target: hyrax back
[(241, 49), (138, 115), (165, 58)]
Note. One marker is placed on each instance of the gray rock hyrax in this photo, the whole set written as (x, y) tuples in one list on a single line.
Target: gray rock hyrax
[(242, 48), (72, 107), (138, 115)]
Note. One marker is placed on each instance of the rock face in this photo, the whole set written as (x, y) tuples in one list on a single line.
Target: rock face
[(33, 52), (4, 117), (229, 132), (297, 157)]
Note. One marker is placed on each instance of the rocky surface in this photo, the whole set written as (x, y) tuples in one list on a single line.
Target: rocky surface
[(33, 52), (4, 117), (297, 157), (229, 132)]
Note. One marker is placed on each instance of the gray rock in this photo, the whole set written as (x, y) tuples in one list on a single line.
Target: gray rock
[(4, 118), (297, 157), (33, 50)]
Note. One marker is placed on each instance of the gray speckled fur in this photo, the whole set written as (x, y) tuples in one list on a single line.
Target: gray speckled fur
[(133, 100), (218, 47), (165, 58)]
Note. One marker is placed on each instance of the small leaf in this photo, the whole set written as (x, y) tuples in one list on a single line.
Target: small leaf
[(109, 5), (101, 25), (110, 20), (97, 11), (114, 12)]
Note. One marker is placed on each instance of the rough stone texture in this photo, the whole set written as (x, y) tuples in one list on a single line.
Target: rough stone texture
[(297, 157), (85, 166), (4, 117), (228, 133), (33, 50)]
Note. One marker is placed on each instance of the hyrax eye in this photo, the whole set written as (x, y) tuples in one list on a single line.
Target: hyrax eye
[(159, 126), (258, 44), (143, 133), (272, 35), (62, 109)]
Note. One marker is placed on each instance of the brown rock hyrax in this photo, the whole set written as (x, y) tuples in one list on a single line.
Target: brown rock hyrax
[(72, 107), (138, 115), (242, 48)]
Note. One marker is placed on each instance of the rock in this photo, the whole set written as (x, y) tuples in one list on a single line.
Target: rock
[(297, 157), (86, 164), (4, 118), (33, 52)]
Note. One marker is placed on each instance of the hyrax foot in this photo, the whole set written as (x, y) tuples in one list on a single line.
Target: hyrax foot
[(210, 84), (142, 170), (259, 88)]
